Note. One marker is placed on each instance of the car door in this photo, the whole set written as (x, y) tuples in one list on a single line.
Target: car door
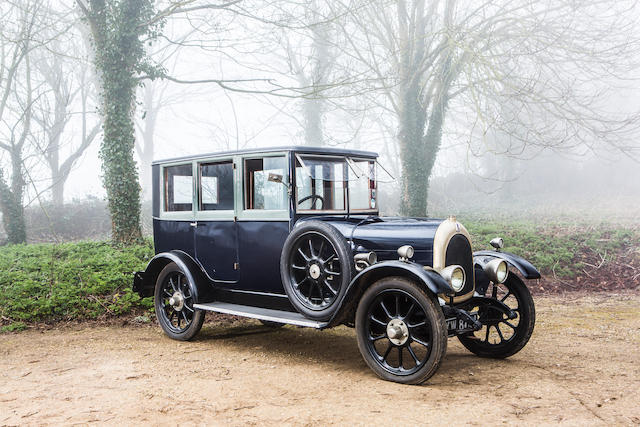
[(263, 221), (215, 228)]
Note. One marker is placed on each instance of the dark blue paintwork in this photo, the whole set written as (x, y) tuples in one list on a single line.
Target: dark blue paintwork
[(525, 267), (384, 235), (260, 246), (170, 235), (216, 248)]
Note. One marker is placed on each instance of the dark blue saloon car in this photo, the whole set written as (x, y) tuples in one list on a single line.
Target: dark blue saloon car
[(292, 235)]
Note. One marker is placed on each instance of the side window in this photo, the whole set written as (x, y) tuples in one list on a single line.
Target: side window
[(216, 186), (178, 188), (261, 187)]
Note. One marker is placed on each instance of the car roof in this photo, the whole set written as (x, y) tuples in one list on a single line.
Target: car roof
[(297, 149)]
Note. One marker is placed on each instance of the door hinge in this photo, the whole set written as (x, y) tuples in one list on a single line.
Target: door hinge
[(236, 266)]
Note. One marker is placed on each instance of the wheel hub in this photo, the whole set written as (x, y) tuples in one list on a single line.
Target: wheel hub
[(314, 271), (177, 301), (397, 331)]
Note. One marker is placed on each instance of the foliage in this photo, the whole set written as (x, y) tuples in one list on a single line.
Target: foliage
[(555, 249), (119, 30), (85, 280)]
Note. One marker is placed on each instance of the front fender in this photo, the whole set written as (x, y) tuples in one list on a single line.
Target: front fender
[(429, 279), (522, 265), (144, 283)]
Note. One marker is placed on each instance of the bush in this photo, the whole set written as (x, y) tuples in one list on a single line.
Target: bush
[(84, 280)]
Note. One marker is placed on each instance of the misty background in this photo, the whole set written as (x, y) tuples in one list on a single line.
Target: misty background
[(520, 137)]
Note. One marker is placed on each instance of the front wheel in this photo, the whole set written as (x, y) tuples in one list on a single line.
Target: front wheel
[(174, 304), (401, 331), (501, 337)]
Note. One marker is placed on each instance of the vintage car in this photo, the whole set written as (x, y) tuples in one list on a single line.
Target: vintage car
[(292, 235)]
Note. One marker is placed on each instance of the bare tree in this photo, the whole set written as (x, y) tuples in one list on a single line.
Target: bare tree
[(552, 62), (68, 91), (16, 99)]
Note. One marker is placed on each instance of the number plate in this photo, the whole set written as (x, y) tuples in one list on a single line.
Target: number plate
[(455, 324)]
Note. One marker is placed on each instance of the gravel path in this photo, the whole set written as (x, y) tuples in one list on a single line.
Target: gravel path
[(582, 366)]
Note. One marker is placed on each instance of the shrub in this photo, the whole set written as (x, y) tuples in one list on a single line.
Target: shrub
[(83, 280)]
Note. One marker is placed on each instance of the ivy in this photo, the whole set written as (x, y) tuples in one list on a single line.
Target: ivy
[(120, 29)]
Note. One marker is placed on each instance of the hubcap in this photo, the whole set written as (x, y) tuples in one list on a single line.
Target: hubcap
[(314, 271), (397, 331), (177, 301)]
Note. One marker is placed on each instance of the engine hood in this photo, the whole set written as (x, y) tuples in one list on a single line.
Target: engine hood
[(384, 235)]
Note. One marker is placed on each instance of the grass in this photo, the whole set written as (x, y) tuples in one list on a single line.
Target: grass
[(68, 281), (555, 248)]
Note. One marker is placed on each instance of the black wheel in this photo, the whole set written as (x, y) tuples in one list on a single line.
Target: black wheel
[(274, 325), (174, 304), (501, 337), (316, 266), (401, 331)]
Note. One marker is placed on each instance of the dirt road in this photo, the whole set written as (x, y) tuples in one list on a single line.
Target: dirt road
[(582, 366)]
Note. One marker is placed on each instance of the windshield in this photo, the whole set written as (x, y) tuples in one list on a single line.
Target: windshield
[(330, 184)]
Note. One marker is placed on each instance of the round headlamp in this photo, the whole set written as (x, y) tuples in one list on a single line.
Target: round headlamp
[(405, 252), (497, 270), (455, 275)]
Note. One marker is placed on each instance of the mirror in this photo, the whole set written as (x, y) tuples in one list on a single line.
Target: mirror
[(275, 177)]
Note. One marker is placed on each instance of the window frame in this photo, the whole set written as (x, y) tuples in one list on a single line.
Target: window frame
[(262, 214), (215, 215), (347, 210), (375, 188), (176, 215)]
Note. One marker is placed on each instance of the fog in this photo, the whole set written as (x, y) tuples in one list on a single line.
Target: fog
[(478, 169)]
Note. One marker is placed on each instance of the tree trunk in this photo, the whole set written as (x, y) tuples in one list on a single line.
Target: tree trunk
[(312, 109), (415, 177), (118, 166), (11, 202)]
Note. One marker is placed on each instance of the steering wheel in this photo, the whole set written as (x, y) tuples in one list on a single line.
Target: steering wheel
[(313, 204)]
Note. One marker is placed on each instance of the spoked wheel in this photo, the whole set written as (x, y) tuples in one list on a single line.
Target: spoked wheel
[(401, 331), (316, 266), (174, 304), (502, 337)]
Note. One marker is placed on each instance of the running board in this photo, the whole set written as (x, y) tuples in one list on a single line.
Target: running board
[(269, 315)]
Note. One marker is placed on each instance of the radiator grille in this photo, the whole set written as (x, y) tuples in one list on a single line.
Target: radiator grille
[(459, 253)]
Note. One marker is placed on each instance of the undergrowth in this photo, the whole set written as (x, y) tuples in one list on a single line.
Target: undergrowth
[(69, 281)]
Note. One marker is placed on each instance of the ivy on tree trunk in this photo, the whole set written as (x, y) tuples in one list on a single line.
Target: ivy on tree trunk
[(119, 31)]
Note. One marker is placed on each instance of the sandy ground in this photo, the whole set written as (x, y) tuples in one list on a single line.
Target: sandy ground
[(582, 366)]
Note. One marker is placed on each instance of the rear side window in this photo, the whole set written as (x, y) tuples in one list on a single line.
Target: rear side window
[(216, 186), (178, 188)]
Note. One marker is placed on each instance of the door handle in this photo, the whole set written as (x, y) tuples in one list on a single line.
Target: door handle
[(193, 224)]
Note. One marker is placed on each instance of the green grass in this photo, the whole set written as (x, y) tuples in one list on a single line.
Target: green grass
[(85, 280), (557, 248)]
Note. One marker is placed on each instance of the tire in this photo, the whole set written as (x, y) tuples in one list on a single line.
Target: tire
[(316, 266), (501, 337), (179, 321), (417, 315)]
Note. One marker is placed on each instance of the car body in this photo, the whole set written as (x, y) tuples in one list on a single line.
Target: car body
[(292, 235)]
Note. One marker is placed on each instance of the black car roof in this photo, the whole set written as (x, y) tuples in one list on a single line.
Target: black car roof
[(297, 149)]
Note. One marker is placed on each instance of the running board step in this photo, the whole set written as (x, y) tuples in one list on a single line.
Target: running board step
[(269, 315)]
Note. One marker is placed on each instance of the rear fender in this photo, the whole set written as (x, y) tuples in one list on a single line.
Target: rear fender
[(145, 282), (430, 280), (522, 265)]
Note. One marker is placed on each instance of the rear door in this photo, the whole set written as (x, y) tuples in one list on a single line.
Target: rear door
[(215, 228)]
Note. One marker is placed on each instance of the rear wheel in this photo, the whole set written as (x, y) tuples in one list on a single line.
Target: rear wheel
[(501, 337), (174, 304), (401, 331)]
